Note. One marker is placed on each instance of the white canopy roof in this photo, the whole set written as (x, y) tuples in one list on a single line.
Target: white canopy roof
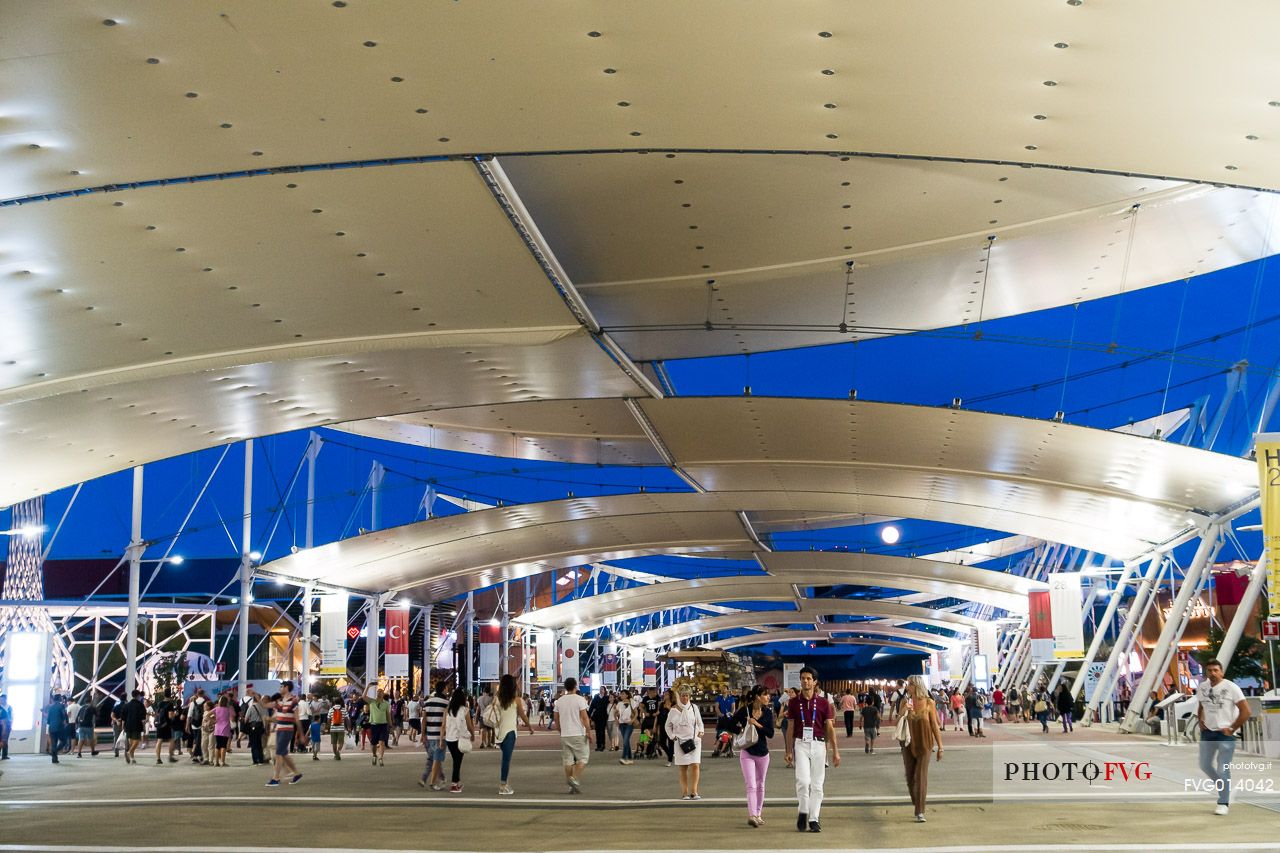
[(789, 636), (658, 638), (589, 614), (215, 219)]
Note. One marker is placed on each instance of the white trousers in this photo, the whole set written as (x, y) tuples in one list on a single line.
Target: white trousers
[(811, 772)]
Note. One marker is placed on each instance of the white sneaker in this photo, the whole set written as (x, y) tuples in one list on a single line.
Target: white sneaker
[(1221, 810), (919, 818)]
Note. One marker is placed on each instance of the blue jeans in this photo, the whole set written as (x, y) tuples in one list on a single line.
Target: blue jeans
[(435, 754), (1216, 752), (507, 746), (624, 732)]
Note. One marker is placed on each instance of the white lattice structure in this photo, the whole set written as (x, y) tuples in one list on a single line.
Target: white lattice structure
[(24, 581), (94, 636)]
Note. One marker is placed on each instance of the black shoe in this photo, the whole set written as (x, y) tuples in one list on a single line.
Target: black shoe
[(802, 821), (814, 826)]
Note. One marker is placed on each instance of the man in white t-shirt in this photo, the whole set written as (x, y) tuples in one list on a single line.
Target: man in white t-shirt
[(572, 721), (415, 722), (303, 729), (1222, 711)]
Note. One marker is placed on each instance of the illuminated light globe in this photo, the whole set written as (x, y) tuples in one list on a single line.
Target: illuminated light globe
[(890, 535)]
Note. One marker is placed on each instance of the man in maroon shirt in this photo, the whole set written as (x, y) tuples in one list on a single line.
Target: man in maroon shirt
[(810, 731)]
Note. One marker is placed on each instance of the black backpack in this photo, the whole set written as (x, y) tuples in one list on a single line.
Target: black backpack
[(87, 717)]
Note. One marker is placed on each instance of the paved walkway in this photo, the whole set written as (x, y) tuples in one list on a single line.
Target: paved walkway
[(100, 804)]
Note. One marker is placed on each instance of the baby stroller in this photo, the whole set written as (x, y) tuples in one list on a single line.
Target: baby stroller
[(646, 746)]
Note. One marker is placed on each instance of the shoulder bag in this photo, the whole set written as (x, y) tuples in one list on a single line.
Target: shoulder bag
[(464, 737), (902, 731), (748, 736)]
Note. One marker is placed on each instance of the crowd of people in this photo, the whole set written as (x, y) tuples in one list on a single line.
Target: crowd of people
[(449, 723)]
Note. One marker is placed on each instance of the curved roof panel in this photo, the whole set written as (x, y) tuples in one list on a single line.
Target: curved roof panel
[(269, 84)]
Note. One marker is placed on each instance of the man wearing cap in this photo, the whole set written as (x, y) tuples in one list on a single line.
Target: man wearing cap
[(811, 730)]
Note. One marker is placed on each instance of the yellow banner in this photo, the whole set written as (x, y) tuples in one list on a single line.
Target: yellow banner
[(1268, 453)]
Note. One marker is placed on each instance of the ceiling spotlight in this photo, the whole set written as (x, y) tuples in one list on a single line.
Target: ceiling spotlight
[(255, 555), (890, 535), (495, 622), (177, 560)]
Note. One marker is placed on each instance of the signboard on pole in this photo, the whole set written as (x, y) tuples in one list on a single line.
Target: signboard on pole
[(1271, 630), (955, 662), (981, 674), (569, 656), (396, 647), (791, 675), (333, 634), (1092, 676), (1040, 627), (988, 643), (650, 670), (1066, 607), (635, 666), (1268, 451), (609, 670), (490, 643), (545, 655)]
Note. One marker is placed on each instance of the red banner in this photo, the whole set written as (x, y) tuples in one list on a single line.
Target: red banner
[(1041, 620), (1229, 587), (397, 639)]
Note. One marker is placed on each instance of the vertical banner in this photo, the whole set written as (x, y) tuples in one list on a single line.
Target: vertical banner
[(545, 655), (569, 656), (933, 669), (1092, 676), (1066, 611), (1268, 451), (635, 666), (490, 644), (333, 634), (396, 648), (791, 675), (1040, 627), (981, 674), (955, 662), (650, 670), (609, 669), (988, 644)]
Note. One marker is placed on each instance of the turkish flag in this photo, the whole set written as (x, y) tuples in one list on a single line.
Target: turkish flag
[(397, 639), (1041, 620)]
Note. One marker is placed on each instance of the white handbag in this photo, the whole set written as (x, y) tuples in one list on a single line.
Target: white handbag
[(902, 731), (465, 745), (747, 738)]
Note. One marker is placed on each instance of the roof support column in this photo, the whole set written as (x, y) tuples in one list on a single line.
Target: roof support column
[(469, 622), (371, 647), (1127, 633), (136, 547), (1104, 624), (1057, 674), (246, 569), (1210, 542), (305, 679), (505, 649)]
